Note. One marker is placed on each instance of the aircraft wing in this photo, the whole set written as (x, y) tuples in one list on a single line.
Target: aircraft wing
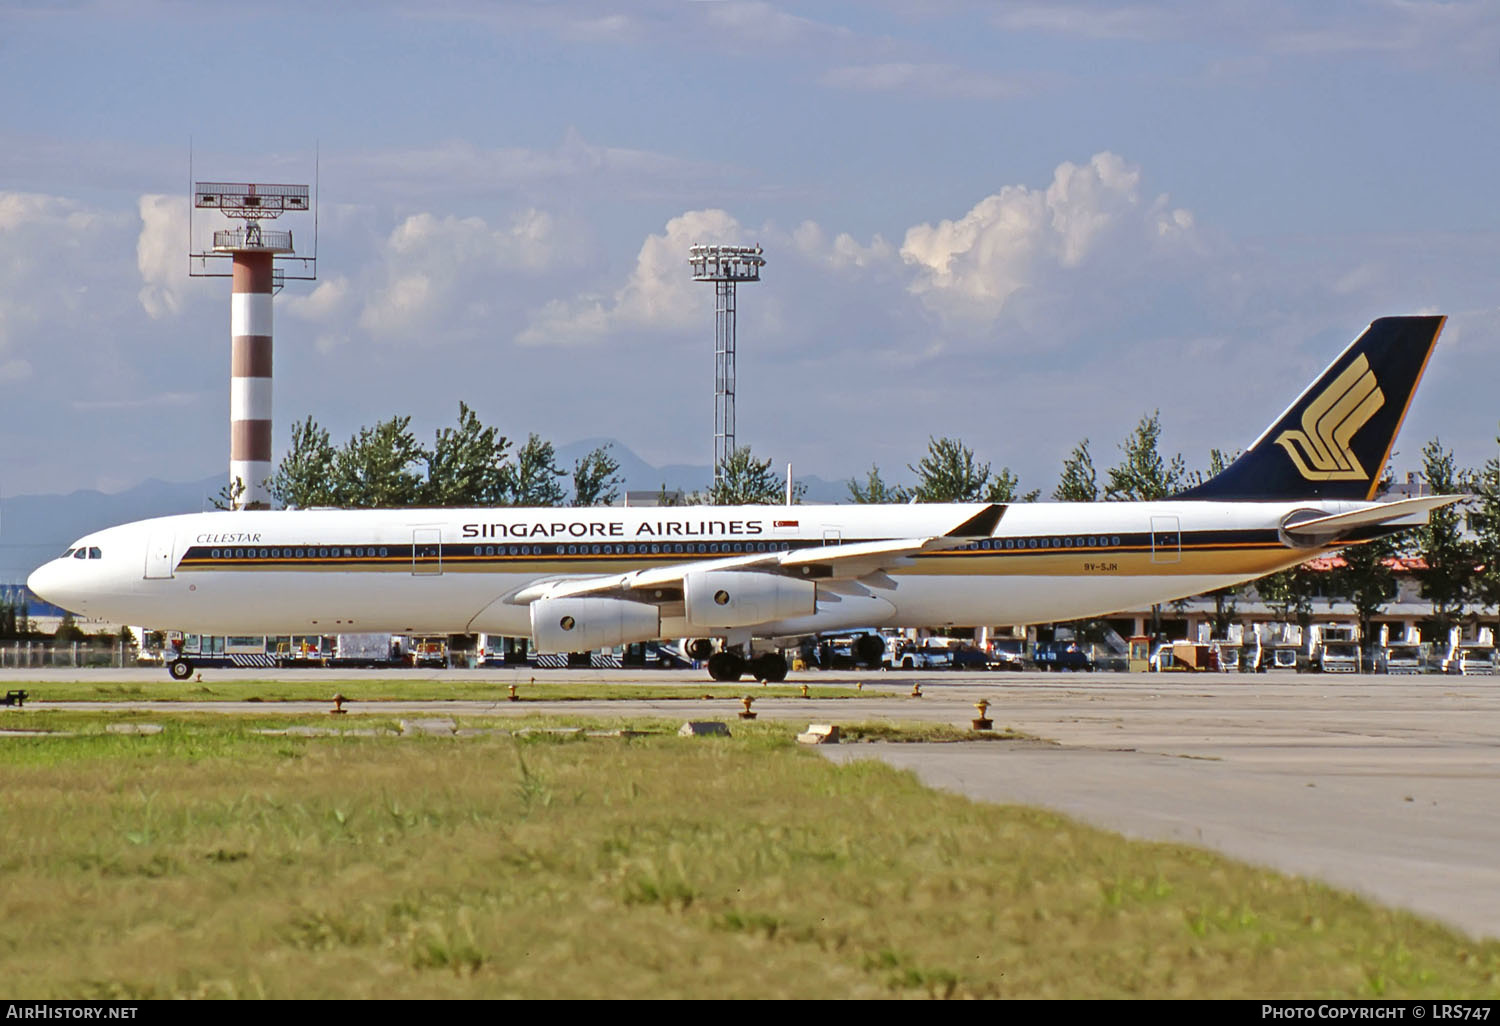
[(830, 563), (1385, 513)]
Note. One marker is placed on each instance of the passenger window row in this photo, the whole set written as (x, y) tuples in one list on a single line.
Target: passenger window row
[(642, 549), (330, 552), (1080, 541)]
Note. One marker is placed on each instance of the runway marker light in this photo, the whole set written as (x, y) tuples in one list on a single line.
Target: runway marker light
[(338, 706), (916, 691), (747, 714), (982, 723), (804, 691), (513, 697)]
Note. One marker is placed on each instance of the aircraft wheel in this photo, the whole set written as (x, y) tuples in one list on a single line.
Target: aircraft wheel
[(868, 650), (770, 668), (725, 666), (180, 669)]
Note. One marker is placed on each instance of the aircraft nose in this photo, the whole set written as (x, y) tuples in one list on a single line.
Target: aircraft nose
[(47, 583)]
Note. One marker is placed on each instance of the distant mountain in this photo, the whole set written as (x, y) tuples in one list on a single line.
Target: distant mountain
[(34, 528)]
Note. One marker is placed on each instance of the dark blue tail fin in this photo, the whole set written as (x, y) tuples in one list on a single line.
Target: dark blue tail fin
[(1332, 443)]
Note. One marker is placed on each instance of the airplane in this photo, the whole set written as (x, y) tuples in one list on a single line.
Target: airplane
[(578, 579)]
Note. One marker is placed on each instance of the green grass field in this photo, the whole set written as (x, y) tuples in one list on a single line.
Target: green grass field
[(213, 861), (316, 688)]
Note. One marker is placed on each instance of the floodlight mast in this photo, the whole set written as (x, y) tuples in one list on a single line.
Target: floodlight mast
[(725, 266), (252, 252)]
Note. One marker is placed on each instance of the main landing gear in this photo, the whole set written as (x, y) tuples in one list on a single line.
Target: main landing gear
[(729, 666)]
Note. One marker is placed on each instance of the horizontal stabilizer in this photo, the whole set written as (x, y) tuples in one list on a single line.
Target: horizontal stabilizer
[(1382, 514)]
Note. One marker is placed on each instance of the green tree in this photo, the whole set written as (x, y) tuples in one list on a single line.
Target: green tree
[(68, 630), (1079, 481), (1449, 577), (671, 498), (1218, 462), (1226, 603), (304, 478), (535, 479), (875, 491), (12, 614), (1484, 521), (229, 495), (1143, 475), (596, 479), (376, 469), (1003, 487), (949, 473), (1367, 581), (746, 481), (467, 464), (1290, 593)]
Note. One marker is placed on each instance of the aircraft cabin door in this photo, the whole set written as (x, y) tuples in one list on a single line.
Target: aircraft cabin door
[(159, 562), (1166, 540), (426, 551)]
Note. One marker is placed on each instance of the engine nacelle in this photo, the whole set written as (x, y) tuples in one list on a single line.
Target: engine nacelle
[(739, 598), (584, 624)]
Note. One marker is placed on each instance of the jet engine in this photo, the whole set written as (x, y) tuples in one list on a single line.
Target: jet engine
[(584, 624), (738, 598)]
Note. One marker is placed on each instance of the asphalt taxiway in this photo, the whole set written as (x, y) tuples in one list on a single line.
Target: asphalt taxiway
[(1387, 786)]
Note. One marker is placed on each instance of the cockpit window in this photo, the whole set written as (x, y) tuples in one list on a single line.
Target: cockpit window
[(65, 555), (94, 552), (81, 553)]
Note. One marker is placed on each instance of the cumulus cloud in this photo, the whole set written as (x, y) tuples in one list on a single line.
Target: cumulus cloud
[(52, 253), (1091, 219), (659, 293), (439, 272), (328, 300), (1020, 238), (160, 254), (843, 251)]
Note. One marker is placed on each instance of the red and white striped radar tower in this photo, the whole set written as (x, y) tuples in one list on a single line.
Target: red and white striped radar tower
[(252, 252), (725, 266)]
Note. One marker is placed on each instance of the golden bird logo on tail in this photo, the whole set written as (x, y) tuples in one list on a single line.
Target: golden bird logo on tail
[(1320, 451)]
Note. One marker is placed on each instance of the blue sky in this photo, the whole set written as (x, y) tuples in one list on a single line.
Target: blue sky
[(1018, 223)]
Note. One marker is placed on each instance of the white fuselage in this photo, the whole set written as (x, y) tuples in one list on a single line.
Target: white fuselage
[(458, 570)]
